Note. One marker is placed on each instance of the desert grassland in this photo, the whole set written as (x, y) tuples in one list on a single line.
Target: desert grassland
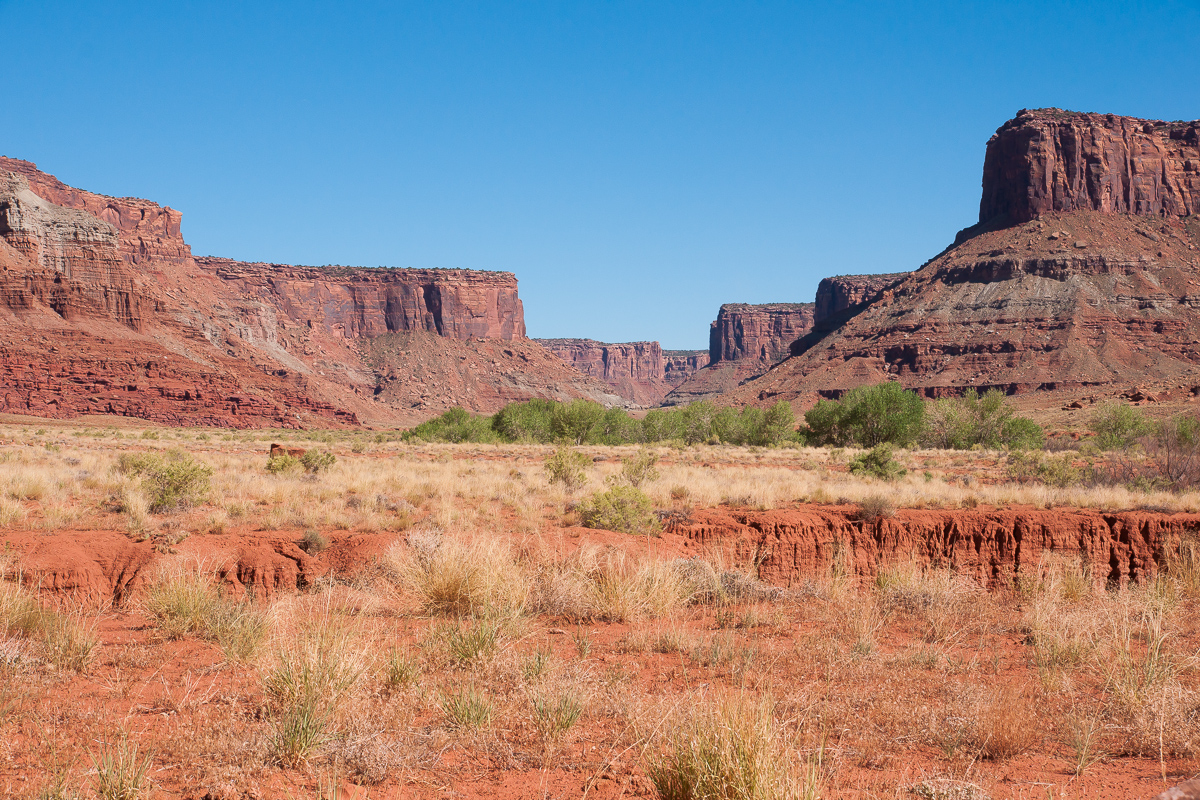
[(484, 664), (66, 478)]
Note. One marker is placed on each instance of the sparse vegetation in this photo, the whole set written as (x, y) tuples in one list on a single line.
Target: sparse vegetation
[(621, 508)]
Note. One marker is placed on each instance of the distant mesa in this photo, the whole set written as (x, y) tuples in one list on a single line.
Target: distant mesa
[(640, 372)]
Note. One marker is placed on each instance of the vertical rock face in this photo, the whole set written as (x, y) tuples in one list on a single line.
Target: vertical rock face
[(634, 370), (146, 231), (761, 333), (361, 303), (679, 365), (1050, 160), (105, 311), (838, 298)]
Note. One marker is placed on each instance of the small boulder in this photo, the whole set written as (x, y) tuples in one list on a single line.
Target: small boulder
[(1188, 790)]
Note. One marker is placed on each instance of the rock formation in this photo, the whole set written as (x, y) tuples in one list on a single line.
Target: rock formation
[(362, 303), (762, 333), (789, 546), (1051, 160), (744, 341), (679, 365), (107, 312), (842, 296), (640, 372), (1099, 297)]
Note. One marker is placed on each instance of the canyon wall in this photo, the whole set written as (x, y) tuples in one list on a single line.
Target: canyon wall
[(147, 231), (362, 303), (106, 311), (679, 365), (1084, 281), (1051, 160), (761, 333), (636, 371), (840, 297)]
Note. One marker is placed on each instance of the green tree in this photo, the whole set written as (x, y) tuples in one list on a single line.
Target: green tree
[(578, 421), (868, 416), (1117, 426)]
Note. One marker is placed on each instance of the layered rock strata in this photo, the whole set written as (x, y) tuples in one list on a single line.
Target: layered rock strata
[(791, 546), (107, 312), (1077, 300), (362, 303), (1052, 160), (744, 340)]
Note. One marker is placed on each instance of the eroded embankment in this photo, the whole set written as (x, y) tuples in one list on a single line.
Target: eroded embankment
[(991, 546)]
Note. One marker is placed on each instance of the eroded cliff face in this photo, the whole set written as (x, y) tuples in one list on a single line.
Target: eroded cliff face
[(993, 547), (1051, 160), (762, 333), (1100, 299), (842, 296), (362, 303), (107, 312), (744, 340), (679, 365), (633, 370), (147, 231)]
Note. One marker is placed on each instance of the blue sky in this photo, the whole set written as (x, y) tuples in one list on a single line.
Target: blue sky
[(636, 164)]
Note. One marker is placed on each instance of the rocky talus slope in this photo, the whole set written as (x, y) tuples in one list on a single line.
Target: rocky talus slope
[(1097, 299), (106, 311)]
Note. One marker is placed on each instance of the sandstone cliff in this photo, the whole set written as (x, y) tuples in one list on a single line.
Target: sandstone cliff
[(679, 365), (361, 303), (1051, 160), (1088, 300), (107, 312), (744, 341)]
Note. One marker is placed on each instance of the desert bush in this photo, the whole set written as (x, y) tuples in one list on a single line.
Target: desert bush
[(467, 708), (172, 480), (567, 467), (281, 463), (121, 771), (978, 420), (1174, 449), (456, 425), (1118, 426), (555, 715), (317, 461), (1029, 467), (69, 642), (525, 422), (472, 577), (313, 542), (1007, 725), (594, 584), (638, 469), (877, 463), (188, 604), (867, 416), (876, 506), (621, 508), (730, 748)]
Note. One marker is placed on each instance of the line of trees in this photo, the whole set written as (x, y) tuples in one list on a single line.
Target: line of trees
[(867, 416)]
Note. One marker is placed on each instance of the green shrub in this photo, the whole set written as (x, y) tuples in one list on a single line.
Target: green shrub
[(317, 461), (879, 463), (661, 426), (525, 422), (456, 425), (867, 416), (567, 467), (1118, 426), (172, 480), (621, 508), (577, 422), (1020, 433), (281, 463), (638, 469), (1029, 467)]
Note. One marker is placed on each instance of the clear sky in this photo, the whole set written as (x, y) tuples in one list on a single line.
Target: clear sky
[(636, 164)]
